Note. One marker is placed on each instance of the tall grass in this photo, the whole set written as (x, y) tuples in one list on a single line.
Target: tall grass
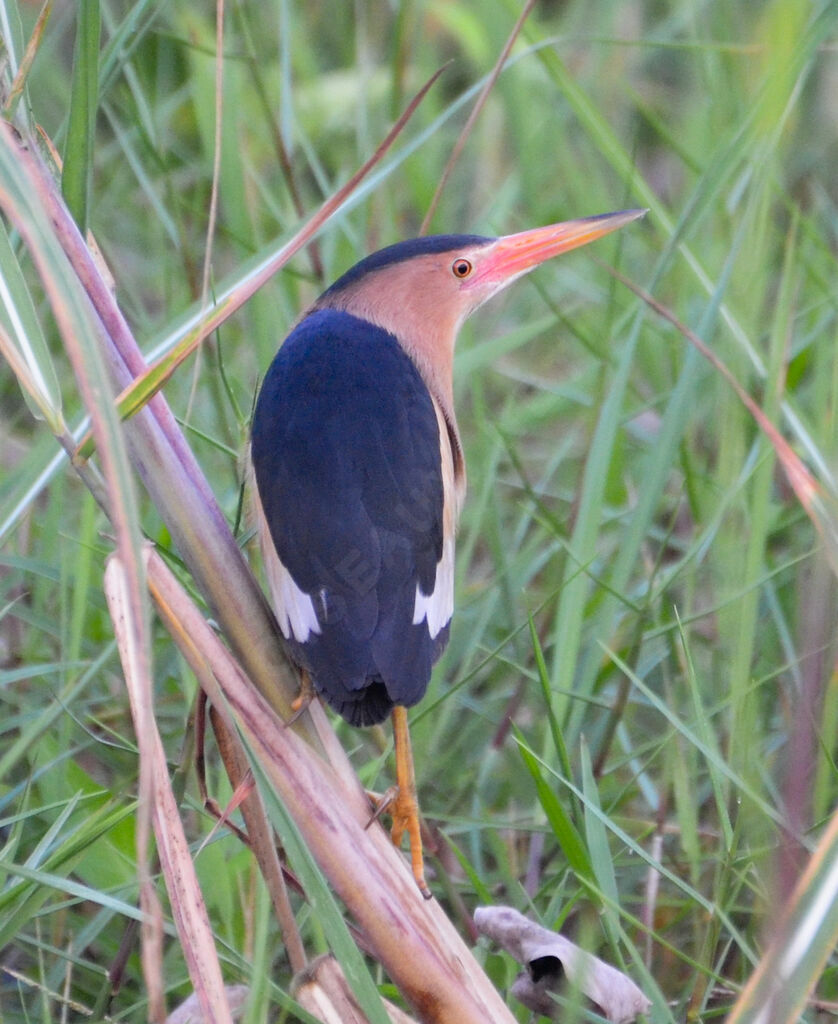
[(632, 734)]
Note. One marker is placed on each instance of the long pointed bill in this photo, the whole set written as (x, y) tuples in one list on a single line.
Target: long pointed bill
[(513, 255)]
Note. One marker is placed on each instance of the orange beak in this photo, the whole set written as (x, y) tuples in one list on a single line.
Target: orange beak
[(513, 255)]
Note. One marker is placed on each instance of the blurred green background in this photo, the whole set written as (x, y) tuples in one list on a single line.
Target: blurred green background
[(632, 734)]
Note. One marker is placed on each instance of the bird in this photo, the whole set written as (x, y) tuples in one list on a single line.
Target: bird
[(360, 473)]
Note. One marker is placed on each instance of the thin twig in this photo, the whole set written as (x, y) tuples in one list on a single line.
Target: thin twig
[(212, 214), (28, 58), (805, 486), (149, 380), (216, 150), (475, 113), (280, 148), (261, 842)]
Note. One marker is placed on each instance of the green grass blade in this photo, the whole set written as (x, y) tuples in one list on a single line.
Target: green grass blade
[(23, 326), (802, 941), (77, 173), (564, 830), (602, 861)]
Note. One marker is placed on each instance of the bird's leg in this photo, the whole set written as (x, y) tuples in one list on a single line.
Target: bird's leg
[(304, 697), (404, 809)]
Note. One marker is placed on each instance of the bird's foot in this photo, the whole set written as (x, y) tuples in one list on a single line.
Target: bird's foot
[(301, 702), (403, 809)]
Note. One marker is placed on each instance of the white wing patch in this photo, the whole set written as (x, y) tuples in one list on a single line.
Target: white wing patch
[(438, 606), (293, 607)]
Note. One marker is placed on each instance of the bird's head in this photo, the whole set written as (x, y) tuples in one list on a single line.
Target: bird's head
[(423, 289)]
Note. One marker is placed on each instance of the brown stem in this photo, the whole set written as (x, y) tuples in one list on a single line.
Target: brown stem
[(411, 937), (261, 842)]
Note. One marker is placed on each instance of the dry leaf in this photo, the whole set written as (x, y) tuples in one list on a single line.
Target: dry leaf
[(549, 957), (323, 990)]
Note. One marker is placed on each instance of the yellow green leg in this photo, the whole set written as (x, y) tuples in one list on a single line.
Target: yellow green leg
[(405, 806)]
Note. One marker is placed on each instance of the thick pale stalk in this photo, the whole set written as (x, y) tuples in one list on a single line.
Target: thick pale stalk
[(185, 897), (166, 465), (324, 992), (411, 937)]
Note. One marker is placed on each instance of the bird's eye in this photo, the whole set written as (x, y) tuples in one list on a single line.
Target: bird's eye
[(461, 267)]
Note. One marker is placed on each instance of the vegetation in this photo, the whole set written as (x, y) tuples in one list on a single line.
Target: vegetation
[(632, 734)]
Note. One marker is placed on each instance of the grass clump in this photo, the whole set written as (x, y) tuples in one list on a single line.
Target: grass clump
[(631, 735)]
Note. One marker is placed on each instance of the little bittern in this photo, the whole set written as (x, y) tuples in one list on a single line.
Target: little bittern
[(360, 471)]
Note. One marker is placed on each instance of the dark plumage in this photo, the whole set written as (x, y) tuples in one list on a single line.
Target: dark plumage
[(345, 448)]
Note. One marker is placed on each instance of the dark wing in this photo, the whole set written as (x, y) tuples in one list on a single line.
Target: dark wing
[(346, 454)]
